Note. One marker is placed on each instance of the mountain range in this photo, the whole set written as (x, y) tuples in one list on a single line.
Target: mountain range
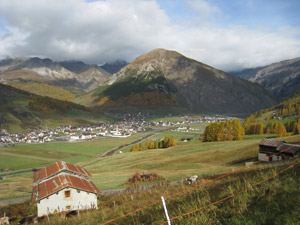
[(169, 78), (282, 79), (157, 78), (72, 74)]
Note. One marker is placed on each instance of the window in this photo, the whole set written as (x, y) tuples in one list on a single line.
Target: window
[(67, 194)]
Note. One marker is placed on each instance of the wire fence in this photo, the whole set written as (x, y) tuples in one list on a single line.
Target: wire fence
[(202, 184), (231, 196)]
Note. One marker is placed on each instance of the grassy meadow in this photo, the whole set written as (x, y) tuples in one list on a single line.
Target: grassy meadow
[(175, 163), (260, 194)]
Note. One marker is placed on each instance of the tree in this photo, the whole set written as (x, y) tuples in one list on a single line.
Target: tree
[(238, 130), (173, 142), (140, 147), (296, 128), (136, 148), (281, 131), (224, 131), (260, 128)]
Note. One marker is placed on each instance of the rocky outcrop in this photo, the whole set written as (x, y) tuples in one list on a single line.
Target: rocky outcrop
[(281, 79)]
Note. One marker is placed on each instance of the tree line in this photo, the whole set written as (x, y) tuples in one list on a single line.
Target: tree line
[(224, 131), (165, 143), (253, 126), (45, 104)]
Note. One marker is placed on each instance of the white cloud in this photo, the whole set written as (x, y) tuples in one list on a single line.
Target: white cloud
[(100, 31), (202, 10)]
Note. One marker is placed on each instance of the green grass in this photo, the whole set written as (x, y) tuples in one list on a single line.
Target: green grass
[(28, 156), (177, 162), (254, 205), (275, 201)]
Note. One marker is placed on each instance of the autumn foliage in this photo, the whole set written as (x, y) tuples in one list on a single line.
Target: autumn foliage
[(45, 104), (165, 143), (224, 131)]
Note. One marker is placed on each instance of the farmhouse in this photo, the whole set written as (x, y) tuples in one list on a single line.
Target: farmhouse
[(283, 150), (63, 187)]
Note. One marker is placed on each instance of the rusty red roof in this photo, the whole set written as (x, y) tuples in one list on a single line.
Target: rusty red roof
[(271, 142), (289, 148), (58, 167), (61, 181)]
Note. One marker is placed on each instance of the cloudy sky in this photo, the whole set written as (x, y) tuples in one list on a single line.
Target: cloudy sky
[(226, 34)]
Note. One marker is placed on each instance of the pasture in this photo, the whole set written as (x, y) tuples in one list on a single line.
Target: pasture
[(175, 163)]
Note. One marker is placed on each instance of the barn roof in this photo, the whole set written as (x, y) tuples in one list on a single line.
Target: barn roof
[(60, 181), (289, 148), (58, 167), (271, 142)]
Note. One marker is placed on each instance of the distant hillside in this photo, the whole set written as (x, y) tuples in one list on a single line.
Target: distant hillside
[(247, 73), (114, 67), (21, 110), (45, 90), (287, 111), (70, 74), (163, 77), (281, 79)]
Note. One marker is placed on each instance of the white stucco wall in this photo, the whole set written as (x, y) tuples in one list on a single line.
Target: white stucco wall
[(82, 200), (262, 156)]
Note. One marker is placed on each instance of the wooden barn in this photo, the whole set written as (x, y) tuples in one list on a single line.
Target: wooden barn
[(268, 147), (63, 187)]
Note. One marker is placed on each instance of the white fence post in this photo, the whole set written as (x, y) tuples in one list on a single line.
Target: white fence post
[(166, 211)]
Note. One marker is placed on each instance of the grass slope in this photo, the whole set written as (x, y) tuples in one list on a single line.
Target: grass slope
[(15, 116), (275, 201), (46, 90)]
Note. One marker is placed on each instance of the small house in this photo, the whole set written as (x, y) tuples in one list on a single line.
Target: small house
[(274, 150), (63, 187)]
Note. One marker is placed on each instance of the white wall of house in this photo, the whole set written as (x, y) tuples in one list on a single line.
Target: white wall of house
[(58, 202), (263, 157)]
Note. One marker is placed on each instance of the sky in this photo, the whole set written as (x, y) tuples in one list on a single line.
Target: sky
[(227, 34)]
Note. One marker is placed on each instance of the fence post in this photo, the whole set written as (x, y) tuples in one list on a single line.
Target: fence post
[(166, 211)]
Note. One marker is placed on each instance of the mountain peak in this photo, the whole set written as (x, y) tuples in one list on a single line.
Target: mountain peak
[(158, 54)]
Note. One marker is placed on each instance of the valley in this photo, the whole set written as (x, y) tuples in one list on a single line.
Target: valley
[(81, 114)]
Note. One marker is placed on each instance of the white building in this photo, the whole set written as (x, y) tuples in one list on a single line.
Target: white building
[(63, 187)]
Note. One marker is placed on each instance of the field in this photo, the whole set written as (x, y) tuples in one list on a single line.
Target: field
[(175, 163), (38, 155), (246, 199)]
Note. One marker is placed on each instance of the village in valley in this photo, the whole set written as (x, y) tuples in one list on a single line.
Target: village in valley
[(129, 124)]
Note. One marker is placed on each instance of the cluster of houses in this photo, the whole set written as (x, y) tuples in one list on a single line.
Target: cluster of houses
[(130, 124), (72, 133)]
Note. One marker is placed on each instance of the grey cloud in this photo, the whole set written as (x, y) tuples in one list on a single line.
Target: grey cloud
[(101, 31)]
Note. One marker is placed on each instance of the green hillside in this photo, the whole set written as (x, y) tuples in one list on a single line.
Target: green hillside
[(151, 89), (46, 90), (21, 110)]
